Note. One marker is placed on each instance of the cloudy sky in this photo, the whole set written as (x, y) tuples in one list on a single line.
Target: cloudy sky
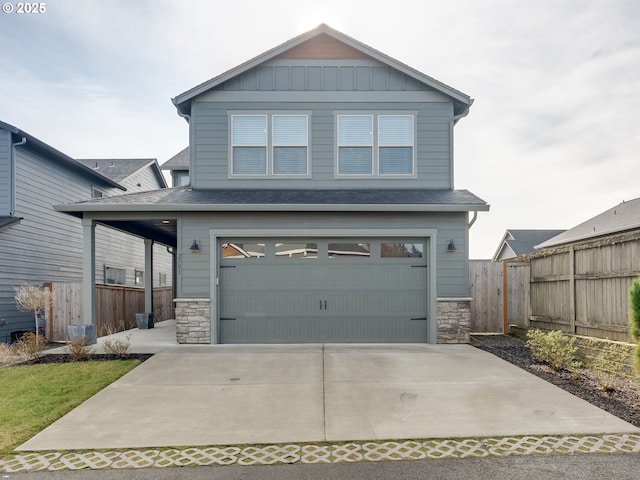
[(552, 138)]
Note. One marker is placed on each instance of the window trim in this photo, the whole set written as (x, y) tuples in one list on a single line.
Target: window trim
[(375, 167), (270, 145)]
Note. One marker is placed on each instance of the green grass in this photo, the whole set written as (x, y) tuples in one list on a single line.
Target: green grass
[(34, 396)]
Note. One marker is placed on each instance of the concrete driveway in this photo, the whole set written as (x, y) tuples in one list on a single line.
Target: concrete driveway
[(234, 394)]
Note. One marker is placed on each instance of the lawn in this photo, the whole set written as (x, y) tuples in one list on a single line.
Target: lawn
[(34, 396)]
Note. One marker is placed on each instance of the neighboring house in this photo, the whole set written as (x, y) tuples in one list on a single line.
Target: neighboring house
[(624, 217), (521, 242), (39, 245), (178, 166), (321, 204), (580, 279)]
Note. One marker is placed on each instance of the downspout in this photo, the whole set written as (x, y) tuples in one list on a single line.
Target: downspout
[(12, 176), (473, 219)]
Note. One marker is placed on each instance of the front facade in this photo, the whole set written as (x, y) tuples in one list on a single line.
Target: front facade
[(321, 205), (39, 245)]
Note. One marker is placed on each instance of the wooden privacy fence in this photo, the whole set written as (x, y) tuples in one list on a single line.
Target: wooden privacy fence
[(487, 283), (116, 307), (584, 288)]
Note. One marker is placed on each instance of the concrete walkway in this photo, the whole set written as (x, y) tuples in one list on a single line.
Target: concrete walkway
[(257, 394)]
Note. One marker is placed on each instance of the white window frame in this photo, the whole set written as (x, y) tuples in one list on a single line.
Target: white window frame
[(271, 145), (375, 146)]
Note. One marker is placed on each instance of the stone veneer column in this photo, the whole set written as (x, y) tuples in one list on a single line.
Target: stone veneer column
[(454, 320), (193, 320)]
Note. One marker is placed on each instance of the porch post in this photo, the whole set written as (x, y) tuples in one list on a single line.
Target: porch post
[(89, 278), (148, 276)]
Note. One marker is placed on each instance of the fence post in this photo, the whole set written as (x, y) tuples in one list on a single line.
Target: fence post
[(572, 289), (505, 300)]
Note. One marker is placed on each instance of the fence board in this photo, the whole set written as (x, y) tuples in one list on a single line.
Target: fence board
[(486, 290), (116, 307), (592, 298)]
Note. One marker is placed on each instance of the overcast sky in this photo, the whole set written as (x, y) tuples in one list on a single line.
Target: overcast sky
[(551, 140)]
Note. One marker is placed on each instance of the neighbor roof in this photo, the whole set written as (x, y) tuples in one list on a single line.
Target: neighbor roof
[(119, 169), (183, 101), (624, 216), (521, 242), (186, 199), (180, 161), (58, 157)]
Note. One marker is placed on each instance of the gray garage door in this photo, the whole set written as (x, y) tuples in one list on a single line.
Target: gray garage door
[(329, 290)]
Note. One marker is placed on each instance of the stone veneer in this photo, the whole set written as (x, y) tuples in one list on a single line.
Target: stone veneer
[(454, 320), (193, 320)]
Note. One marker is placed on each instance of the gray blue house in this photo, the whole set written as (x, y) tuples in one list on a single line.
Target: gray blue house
[(40, 245), (321, 204)]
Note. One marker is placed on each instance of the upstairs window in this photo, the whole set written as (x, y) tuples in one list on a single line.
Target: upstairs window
[(371, 145), (249, 144), (269, 145)]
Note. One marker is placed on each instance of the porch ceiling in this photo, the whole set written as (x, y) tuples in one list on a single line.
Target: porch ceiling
[(159, 230)]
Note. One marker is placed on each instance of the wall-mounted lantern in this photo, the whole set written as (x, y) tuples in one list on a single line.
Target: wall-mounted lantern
[(195, 248)]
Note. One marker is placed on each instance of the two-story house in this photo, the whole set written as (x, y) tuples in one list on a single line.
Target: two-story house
[(39, 245), (321, 205)]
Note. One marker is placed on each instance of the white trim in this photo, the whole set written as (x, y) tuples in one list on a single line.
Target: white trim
[(428, 234)]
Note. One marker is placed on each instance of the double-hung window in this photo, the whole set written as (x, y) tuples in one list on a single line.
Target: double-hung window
[(275, 144), (370, 145)]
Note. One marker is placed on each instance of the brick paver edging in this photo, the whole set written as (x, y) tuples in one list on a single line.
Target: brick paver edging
[(321, 452)]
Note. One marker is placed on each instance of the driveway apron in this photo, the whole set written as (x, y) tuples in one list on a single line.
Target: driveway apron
[(254, 394)]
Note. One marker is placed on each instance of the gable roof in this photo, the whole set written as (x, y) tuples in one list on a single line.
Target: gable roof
[(119, 169), (58, 157), (624, 216), (180, 161), (521, 242), (183, 101)]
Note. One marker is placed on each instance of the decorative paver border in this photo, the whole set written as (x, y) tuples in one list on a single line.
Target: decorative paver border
[(321, 452)]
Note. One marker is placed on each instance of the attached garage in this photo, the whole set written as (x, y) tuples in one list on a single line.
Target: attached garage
[(314, 290)]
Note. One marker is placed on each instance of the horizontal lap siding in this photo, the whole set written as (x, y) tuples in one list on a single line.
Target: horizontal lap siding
[(452, 268), (211, 130)]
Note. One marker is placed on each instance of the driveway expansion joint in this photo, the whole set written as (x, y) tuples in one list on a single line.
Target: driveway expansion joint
[(338, 452)]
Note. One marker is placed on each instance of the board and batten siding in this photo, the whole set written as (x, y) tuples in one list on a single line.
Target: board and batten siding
[(452, 269), (210, 145), (361, 75), (5, 172)]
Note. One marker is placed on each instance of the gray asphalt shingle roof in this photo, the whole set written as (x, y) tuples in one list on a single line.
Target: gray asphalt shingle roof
[(180, 161), (184, 198), (622, 217), (117, 169)]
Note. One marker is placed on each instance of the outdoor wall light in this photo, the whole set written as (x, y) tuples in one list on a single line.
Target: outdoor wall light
[(451, 247), (195, 248)]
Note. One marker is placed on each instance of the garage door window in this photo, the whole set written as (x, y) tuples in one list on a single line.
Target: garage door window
[(349, 250), (402, 250), (296, 250), (242, 250)]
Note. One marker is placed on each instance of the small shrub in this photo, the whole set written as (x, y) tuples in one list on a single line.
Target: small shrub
[(118, 346), (30, 345), (553, 348), (9, 355), (77, 350), (608, 367), (30, 298)]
